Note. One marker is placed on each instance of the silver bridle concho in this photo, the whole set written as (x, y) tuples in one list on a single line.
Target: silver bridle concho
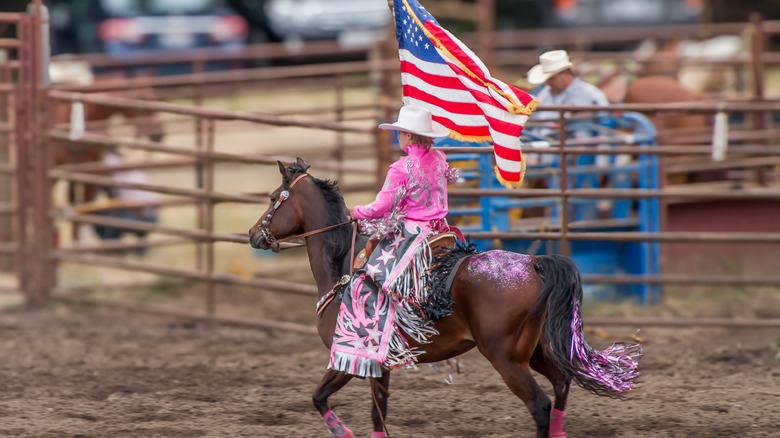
[(266, 223)]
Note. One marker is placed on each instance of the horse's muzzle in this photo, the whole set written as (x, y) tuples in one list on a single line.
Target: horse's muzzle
[(257, 240)]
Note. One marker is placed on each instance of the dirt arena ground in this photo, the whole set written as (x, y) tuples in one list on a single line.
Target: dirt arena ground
[(71, 373)]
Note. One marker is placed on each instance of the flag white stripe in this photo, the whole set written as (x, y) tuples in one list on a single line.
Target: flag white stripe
[(482, 66), (507, 165), (458, 119), (460, 96), (505, 140)]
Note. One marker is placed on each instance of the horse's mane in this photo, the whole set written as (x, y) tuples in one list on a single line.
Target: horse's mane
[(337, 241)]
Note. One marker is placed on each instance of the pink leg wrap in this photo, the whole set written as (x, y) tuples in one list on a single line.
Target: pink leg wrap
[(556, 424), (335, 426), (378, 435)]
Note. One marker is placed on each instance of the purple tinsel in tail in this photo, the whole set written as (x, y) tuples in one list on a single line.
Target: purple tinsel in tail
[(610, 372), (616, 367)]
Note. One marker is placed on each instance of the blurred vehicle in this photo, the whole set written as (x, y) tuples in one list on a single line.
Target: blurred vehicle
[(597, 13), (123, 28), (353, 23)]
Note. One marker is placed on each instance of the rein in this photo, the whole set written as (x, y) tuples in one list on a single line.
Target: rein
[(275, 244), (329, 297)]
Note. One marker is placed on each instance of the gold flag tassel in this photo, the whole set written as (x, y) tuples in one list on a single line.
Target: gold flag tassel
[(511, 184)]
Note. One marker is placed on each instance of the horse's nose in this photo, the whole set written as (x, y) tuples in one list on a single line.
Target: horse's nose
[(257, 239)]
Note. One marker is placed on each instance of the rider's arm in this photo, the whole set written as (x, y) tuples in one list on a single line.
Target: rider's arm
[(391, 193)]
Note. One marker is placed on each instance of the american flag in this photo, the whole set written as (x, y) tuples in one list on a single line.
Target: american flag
[(440, 73)]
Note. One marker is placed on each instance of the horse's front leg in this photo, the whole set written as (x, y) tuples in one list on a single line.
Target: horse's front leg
[(331, 382), (380, 391)]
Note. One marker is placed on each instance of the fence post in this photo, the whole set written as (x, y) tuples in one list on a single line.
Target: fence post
[(338, 154), (757, 38), (198, 70), (383, 142), (22, 176), (41, 266), (209, 219), (565, 246), (6, 185), (486, 27)]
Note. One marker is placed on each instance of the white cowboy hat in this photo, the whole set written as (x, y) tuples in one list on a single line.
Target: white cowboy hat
[(550, 64), (417, 120)]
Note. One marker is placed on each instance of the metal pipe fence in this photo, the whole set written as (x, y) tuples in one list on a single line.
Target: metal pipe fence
[(205, 196), (36, 256)]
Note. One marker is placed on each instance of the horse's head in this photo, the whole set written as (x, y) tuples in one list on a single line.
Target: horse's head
[(285, 215)]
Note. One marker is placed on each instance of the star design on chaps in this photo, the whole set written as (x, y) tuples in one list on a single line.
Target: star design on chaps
[(373, 335), (397, 241), (372, 270), (386, 257)]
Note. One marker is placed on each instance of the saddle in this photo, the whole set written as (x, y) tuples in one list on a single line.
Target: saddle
[(437, 243)]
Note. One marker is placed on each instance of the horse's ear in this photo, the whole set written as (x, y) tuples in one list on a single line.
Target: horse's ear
[(282, 169), (302, 164)]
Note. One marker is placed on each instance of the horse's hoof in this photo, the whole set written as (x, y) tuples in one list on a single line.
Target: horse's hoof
[(342, 432), (346, 433), (557, 434)]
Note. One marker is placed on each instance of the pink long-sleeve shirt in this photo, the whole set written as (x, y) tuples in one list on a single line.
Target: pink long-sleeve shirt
[(421, 178)]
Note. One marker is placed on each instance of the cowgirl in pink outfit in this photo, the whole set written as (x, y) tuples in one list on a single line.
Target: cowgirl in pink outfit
[(387, 291)]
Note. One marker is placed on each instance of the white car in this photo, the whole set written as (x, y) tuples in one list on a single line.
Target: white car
[(595, 13), (354, 23)]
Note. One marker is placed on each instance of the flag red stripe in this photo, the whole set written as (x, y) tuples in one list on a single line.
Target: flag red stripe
[(467, 61), (454, 49), (509, 154), (469, 131), (451, 107), (507, 128), (509, 176), (408, 66), (449, 82)]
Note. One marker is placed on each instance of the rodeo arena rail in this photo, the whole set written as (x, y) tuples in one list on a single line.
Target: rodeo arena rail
[(608, 186)]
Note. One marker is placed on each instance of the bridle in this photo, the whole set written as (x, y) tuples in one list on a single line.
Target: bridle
[(266, 222)]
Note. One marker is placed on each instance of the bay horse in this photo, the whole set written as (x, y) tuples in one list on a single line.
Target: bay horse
[(521, 312)]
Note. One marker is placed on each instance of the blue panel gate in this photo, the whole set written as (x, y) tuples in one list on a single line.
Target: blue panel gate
[(500, 214)]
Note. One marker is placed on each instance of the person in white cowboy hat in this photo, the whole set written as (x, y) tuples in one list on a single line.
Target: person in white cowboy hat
[(411, 205), (561, 85)]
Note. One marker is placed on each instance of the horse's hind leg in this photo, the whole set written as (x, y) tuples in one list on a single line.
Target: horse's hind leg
[(560, 386), (331, 382), (380, 391), (519, 379)]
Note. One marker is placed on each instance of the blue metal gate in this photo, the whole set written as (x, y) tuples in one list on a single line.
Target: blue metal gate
[(501, 214)]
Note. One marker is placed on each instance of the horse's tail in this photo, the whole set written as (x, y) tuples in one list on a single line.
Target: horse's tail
[(609, 372)]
